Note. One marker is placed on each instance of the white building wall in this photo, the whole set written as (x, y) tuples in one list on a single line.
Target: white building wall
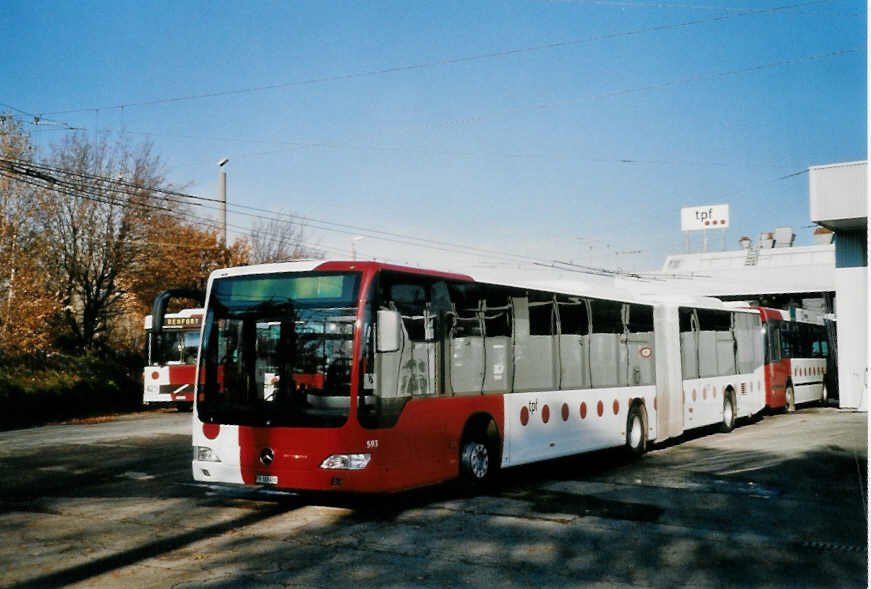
[(838, 191), (852, 312)]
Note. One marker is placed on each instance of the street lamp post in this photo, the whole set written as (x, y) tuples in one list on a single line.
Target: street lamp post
[(222, 196), (354, 241)]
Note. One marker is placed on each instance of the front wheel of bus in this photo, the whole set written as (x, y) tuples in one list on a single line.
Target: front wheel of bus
[(636, 436), (728, 423), (790, 398), (476, 462)]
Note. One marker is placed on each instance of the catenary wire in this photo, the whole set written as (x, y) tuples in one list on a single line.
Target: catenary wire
[(443, 62)]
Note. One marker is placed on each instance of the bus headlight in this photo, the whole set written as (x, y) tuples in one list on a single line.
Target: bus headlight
[(205, 454), (346, 461)]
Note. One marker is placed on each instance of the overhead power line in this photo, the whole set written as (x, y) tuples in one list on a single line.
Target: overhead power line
[(672, 5), (50, 178), (444, 62), (611, 93), (655, 86)]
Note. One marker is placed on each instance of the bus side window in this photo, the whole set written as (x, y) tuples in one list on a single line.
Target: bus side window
[(689, 351), (640, 343), (410, 371), (607, 359), (786, 338), (747, 342), (716, 343), (573, 319), (533, 342), (410, 301), (465, 346), (498, 340), (772, 349), (820, 347)]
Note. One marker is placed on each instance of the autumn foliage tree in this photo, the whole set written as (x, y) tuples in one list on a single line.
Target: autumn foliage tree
[(88, 237), (27, 299), (179, 254), (92, 229)]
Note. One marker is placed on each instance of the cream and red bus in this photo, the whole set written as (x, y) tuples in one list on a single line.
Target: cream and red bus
[(367, 377), (172, 343), (797, 349)]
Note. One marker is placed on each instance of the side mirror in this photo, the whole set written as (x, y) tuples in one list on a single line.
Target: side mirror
[(389, 331)]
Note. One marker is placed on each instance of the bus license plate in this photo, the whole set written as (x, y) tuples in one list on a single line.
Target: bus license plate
[(266, 479)]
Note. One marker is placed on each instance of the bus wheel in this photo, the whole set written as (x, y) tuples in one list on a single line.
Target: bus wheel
[(728, 423), (636, 435), (475, 462), (790, 398)]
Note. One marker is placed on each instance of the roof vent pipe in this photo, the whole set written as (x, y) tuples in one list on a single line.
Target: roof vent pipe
[(784, 236)]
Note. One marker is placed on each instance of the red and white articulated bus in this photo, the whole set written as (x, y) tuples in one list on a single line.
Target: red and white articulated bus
[(367, 377), (797, 348), (172, 343)]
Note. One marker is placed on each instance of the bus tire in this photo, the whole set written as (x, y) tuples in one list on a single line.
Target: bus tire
[(475, 462), (729, 411), (479, 453), (636, 431), (789, 398)]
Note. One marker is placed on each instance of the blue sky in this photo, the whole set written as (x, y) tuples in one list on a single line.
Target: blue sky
[(569, 130)]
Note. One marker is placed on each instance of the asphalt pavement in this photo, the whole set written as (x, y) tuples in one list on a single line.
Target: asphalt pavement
[(781, 502)]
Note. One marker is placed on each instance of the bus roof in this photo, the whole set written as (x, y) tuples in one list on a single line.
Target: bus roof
[(593, 286)]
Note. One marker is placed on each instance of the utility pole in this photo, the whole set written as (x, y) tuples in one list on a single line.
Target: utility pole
[(354, 241), (222, 196)]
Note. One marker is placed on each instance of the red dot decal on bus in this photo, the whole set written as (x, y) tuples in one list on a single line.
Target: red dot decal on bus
[(705, 393), (600, 408), (654, 403), (565, 412), (155, 375), (524, 416), (616, 407), (583, 410), (715, 222), (694, 394), (210, 430), (545, 414)]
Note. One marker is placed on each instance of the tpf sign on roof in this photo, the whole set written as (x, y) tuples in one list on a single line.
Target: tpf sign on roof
[(706, 217)]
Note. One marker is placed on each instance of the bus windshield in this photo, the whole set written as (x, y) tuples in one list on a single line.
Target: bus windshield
[(175, 347), (277, 349)]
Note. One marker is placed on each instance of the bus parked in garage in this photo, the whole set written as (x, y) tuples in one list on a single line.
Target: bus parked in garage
[(797, 347)]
